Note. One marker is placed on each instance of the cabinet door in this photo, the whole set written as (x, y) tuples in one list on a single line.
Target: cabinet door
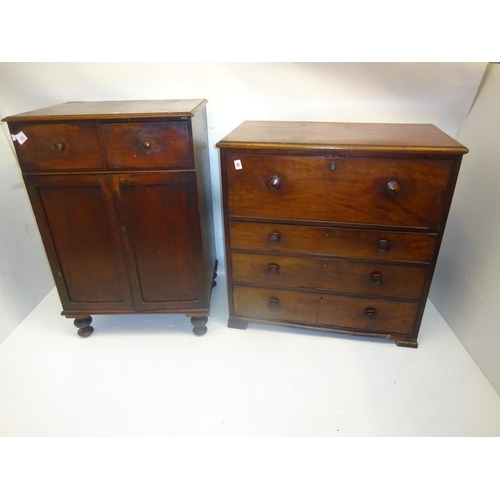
[(80, 233), (160, 220)]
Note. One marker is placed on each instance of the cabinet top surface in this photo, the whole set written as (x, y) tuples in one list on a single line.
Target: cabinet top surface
[(98, 110), (390, 137)]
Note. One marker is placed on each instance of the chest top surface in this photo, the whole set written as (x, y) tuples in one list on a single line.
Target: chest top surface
[(390, 137), (101, 110)]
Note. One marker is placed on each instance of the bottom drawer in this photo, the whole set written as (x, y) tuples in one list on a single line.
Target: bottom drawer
[(316, 309)]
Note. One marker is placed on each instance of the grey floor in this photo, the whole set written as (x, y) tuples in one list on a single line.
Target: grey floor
[(148, 375)]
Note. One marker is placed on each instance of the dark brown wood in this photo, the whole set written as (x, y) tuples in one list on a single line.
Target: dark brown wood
[(79, 230), (335, 227), (160, 230), (402, 246), (325, 309), (83, 325), (214, 283), (329, 274), (199, 325), (199, 132), (147, 145), (121, 197), (294, 187), (59, 147), (239, 325)]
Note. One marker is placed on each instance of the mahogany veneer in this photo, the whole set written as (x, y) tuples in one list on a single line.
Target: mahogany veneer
[(335, 226), (122, 196)]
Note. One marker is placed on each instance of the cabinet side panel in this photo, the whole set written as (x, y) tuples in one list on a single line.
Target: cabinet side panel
[(204, 189)]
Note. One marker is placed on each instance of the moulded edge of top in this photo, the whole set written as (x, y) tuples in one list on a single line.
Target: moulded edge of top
[(263, 139), (89, 110)]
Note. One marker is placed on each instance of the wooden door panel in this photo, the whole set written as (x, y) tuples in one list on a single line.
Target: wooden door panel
[(80, 235), (159, 214)]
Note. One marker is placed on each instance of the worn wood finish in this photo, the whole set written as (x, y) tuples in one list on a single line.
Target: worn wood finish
[(335, 137), (111, 110), (79, 230), (162, 242), (272, 237), (123, 206), (328, 274), (370, 314), (62, 147), (335, 226), (398, 192), (147, 145)]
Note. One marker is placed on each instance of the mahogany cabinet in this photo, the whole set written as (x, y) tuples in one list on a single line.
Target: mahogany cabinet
[(335, 226), (121, 193)]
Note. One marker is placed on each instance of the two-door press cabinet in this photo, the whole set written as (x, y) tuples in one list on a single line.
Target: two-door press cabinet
[(121, 193), (335, 226)]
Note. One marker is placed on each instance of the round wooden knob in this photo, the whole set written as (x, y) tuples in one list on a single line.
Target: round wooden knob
[(274, 183), (370, 314), (146, 145), (383, 246), (273, 305), (58, 146), (273, 270), (274, 238), (393, 188), (376, 279)]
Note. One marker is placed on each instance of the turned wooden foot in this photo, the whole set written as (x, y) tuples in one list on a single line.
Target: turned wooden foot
[(199, 325), (215, 274), (83, 325), (233, 323)]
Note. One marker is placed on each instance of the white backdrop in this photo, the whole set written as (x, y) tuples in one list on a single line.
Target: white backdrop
[(436, 93)]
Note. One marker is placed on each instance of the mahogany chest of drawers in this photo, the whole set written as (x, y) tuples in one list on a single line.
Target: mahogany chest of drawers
[(121, 193), (335, 226)]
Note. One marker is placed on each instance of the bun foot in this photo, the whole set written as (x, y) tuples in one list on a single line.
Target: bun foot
[(215, 274), (199, 325), (83, 325)]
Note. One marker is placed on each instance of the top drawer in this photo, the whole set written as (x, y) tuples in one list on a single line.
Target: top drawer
[(389, 192), (58, 147), (147, 145)]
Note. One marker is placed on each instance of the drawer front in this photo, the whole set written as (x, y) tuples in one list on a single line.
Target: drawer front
[(59, 147), (277, 305), (397, 192), (147, 145), (368, 314), (380, 245), (335, 311), (327, 274)]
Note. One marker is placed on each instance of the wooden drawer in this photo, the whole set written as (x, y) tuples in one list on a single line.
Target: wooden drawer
[(327, 274), (380, 245), (147, 145), (59, 147), (397, 192), (333, 311)]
